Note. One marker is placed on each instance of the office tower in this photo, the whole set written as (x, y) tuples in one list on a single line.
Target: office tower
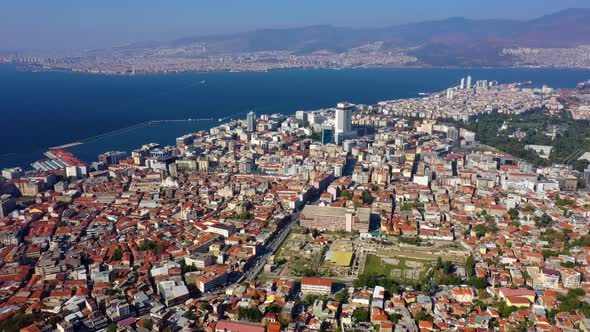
[(452, 133), (301, 115), (327, 134), (343, 119), (251, 122), (463, 83), (468, 85), (449, 93)]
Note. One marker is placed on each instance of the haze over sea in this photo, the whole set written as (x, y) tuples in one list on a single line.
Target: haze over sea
[(40, 110)]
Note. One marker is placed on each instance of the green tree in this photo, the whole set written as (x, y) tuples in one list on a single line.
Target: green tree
[(251, 314), (360, 315), (421, 315), (341, 296), (347, 194), (117, 255), (513, 213), (469, 266), (479, 283), (148, 324)]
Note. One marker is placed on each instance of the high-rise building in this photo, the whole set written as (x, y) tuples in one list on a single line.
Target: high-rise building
[(327, 134), (251, 122), (343, 119), (468, 83), (463, 83), (453, 133), (301, 115), (112, 157), (449, 93), (12, 173)]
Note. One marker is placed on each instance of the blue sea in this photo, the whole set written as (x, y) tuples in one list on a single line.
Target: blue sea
[(43, 109)]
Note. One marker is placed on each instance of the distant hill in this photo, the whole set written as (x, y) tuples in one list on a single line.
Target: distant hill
[(454, 41), (450, 36)]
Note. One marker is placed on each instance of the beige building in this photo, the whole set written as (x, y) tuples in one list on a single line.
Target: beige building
[(327, 218)]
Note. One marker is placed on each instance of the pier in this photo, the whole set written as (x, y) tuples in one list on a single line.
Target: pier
[(137, 125)]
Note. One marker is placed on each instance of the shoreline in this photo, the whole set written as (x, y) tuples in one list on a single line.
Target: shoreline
[(98, 136), (213, 71)]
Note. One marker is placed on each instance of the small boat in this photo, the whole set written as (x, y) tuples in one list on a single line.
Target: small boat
[(220, 119), (203, 82), (423, 94)]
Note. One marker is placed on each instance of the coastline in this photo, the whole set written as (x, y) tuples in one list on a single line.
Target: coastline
[(108, 100), (294, 68)]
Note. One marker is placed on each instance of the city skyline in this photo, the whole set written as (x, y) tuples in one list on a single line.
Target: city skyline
[(70, 25)]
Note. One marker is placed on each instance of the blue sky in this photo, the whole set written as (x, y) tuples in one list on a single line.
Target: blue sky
[(42, 24)]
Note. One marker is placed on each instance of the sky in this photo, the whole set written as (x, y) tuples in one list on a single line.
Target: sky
[(63, 24)]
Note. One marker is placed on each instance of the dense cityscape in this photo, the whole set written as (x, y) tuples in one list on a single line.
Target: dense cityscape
[(385, 217)]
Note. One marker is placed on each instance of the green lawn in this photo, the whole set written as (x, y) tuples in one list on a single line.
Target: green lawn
[(374, 265)]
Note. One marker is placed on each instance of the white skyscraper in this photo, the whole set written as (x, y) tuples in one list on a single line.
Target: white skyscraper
[(463, 83), (449, 93), (469, 82), (343, 120), (251, 122)]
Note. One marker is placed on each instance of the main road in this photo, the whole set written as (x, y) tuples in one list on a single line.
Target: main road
[(274, 244)]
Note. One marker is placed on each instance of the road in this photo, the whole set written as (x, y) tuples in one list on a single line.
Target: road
[(273, 246), (268, 250)]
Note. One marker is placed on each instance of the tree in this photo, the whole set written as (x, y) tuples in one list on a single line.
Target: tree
[(479, 283), (439, 263), (148, 324), (480, 230), (513, 213), (347, 194), (308, 300), (448, 267), (251, 314), (367, 197), (421, 315), (544, 221), (341, 296), (112, 328), (571, 302), (157, 247), (469, 266), (505, 310), (360, 315), (529, 209), (117, 255)]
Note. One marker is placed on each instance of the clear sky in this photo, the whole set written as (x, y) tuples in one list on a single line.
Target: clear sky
[(42, 24)]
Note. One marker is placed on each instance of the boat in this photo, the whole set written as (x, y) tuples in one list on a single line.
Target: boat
[(203, 82), (220, 119), (423, 94)]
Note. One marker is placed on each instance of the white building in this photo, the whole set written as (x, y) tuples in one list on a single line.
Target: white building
[(316, 286), (251, 122)]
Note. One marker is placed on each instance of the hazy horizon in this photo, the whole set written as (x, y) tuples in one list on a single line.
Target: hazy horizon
[(67, 24)]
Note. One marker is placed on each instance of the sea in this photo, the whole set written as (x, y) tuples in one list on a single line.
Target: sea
[(39, 110)]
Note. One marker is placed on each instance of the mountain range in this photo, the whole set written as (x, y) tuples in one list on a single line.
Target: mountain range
[(452, 41)]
